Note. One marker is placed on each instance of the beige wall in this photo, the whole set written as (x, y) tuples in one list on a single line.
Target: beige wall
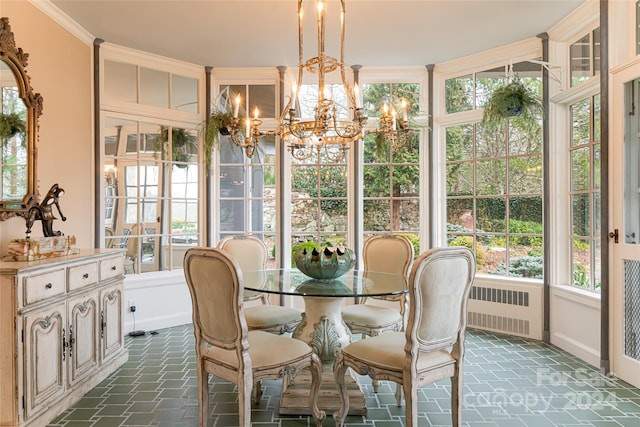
[(60, 67)]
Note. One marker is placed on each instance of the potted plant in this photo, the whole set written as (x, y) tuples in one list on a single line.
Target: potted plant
[(10, 124), (511, 100), (183, 143), (218, 123)]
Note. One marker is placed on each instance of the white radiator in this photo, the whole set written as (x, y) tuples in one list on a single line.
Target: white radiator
[(509, 308)]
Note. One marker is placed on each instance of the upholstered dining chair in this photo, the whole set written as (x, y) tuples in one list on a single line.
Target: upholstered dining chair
[(251, 254), (387, 253), (432, 346), (226, 348)]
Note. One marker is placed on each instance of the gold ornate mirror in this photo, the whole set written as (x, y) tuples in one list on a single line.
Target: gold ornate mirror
[(19, 113)]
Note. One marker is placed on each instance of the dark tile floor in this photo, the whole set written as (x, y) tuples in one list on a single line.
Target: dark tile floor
[(509, 382)]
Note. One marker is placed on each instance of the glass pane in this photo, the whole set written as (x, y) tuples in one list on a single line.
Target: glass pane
[(232, 181), (405, 215), (491, 141), (521, 263), (460, 215), (460, 179), (459, 143), (596, 167), (232, 215), (581, 255), (406, 180), (184, 93), (525, 214), (333, 182), (154, 88), (525, 175), (491, 255), (120, 81), (580, 169), (486, 82), (597, 265), (525, 137), (580, 215), (410, 152), (334, 215), (374, 96), (263, 97), (579, 57), (597, 118), (491, 177), (491, 213), (304, 178), (376, 182), (376, 215), (580, 128), (596, 51), (459, 94), (631, 172)]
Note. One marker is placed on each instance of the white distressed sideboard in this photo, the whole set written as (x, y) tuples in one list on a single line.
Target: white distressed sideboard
[(61, 332)]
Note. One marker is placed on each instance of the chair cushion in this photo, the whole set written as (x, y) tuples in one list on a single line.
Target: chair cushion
[(370, 315), (387, 352), (262, 352), (264, 316)]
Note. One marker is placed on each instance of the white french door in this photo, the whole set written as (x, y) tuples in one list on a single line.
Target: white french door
[(624, 213)]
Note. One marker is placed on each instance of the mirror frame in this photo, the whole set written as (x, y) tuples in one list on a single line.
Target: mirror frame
[(17, 60)]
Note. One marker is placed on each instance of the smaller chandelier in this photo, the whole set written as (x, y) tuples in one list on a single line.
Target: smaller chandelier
[(325, 131)]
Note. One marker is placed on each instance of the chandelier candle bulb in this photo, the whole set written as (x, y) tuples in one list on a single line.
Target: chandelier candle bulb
[(404, 111), (356, 95), (236, 108)]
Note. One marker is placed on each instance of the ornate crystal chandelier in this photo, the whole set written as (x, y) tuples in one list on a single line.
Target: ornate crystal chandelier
[(326, 130)]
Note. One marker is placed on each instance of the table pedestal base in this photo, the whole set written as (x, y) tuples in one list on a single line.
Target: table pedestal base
[(323, 329), (295, 398)]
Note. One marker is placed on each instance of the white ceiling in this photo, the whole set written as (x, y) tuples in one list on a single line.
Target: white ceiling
[(263, 33)]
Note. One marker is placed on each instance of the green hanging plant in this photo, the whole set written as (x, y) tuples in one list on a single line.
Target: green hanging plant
[(218, 123), (183, 142), (11, 124), (512, 100)]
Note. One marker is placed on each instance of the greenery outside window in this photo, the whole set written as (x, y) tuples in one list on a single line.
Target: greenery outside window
[(585, 192), (391, 184), (494, 189)]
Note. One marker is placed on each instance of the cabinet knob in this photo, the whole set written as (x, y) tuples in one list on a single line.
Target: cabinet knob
[(113, 267), (48, 285), (85, 276)]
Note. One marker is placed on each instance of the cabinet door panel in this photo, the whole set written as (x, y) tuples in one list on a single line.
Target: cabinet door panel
[(111, 306), (83, 337), (44, 357)]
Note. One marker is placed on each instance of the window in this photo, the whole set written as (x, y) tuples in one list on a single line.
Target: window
[(151, 192), (471, 91), (584, 192), (584, 57), (247, 186), (494, 184), (391, 184)]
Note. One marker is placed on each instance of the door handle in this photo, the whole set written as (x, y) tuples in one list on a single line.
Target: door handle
[(614, 235)]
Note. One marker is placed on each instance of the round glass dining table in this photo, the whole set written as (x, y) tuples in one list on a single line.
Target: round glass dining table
[(322, 326)]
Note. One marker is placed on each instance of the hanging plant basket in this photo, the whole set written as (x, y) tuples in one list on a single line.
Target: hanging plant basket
[(11, 124), (512, 100)]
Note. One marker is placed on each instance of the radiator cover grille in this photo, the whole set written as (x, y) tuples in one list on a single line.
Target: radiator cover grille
[(507, 308), (632, 308)]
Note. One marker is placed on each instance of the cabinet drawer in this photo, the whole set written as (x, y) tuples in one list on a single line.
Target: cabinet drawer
[(111, 267), (83, 275), (45, 285)]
